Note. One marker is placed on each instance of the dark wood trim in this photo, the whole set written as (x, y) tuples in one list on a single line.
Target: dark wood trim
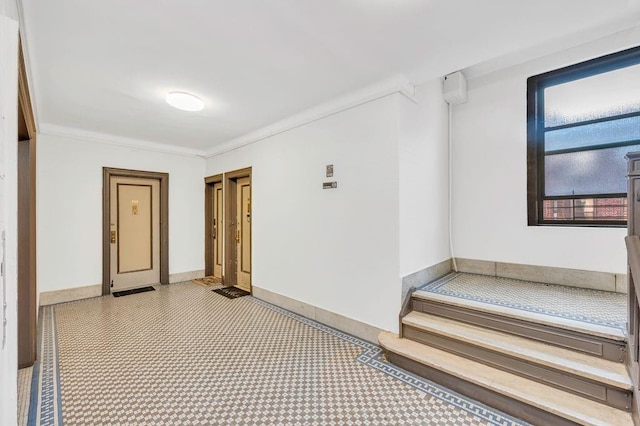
[(493, 399), (213, 179), (24, 96), (240, 173), (27, 265), (230, 226), (208, 229), (209, 195), (27, 286), (612, 350), (230, 249), (107, 174)]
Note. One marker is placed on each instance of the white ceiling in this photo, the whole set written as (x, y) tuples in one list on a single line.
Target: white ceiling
[(105, 66)]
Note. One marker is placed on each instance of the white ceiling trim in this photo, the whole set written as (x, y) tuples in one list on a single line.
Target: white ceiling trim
[(398, 84), (69, 132), (625, 32)]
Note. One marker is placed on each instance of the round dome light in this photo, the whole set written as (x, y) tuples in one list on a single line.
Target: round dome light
[(185, 101)]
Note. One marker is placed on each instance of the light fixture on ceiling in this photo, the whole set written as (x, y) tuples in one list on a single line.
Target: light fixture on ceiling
[(184, 101)]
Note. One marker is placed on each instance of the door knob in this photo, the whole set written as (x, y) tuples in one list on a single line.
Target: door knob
[(113, 237)]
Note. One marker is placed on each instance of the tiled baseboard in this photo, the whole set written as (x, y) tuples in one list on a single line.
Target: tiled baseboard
[(606, 281), (348, 325), (185, 276), (70, 294), (425, 275), (86, 292)]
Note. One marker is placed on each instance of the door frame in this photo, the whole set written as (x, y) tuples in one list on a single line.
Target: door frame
[(27, 270), (229, 187), (107, 174), (209, 182)]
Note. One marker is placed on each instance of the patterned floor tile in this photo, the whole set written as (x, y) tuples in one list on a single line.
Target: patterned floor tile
[(579, 304), (186, 355), (24, 394)]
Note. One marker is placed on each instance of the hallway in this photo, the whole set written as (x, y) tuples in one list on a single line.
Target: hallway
[(185, 355)]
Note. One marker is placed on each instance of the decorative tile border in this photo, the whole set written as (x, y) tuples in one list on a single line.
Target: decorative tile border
[(372, 356), (437, 287), (45, 406)]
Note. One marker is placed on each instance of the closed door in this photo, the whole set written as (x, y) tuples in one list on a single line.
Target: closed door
[(243, 233), (134, 232), (217, 229)]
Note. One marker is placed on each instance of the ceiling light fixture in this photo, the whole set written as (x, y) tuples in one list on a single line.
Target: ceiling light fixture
[(184, 101)]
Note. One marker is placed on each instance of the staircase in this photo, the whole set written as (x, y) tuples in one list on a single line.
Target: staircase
[(536, 364)]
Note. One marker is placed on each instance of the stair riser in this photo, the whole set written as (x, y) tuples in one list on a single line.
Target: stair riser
[(615, 397), (501, 402), (611, 350)]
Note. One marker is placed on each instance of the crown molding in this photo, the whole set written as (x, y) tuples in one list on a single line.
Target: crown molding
[(121, 141), (398, 84), (627, 28)]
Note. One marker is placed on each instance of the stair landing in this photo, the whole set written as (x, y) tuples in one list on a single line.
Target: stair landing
[(595, 312)]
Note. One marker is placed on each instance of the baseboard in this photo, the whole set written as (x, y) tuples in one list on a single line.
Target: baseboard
[(606, 281), (348, 325), (70, 294), (424, 276), (86, 292), (185, 276)]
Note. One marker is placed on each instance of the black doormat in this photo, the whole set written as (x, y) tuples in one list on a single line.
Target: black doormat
[(132, 291), (231, 292)]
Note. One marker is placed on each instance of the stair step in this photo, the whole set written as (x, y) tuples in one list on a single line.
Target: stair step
[(521, 397), (600, 341), (598, 330), (595, 378), (596, 369)]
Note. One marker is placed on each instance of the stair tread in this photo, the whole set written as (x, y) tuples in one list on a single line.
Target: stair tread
[(558, 402), (603, 331), (596, 369)]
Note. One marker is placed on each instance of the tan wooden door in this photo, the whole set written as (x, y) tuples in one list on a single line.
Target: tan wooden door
[(134, 232), (243, 233), (217, 229)]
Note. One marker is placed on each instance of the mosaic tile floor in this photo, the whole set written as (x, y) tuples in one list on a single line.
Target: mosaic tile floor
[(24, 394), (589, 306), (186, 355)]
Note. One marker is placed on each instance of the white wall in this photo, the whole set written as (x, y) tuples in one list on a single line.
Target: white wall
[(424, 179), (8, 209), (335, 249), (69, 208), (490, 175)]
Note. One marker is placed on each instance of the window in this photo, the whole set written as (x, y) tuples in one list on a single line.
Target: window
[(582, 121)]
